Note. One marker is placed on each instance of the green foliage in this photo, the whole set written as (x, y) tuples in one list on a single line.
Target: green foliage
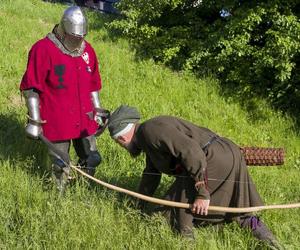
[(254, 47)]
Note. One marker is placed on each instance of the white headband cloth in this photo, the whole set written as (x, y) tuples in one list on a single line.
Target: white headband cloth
[(123, 131)]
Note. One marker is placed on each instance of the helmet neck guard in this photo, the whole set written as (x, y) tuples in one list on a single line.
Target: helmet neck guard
[(57, 38)]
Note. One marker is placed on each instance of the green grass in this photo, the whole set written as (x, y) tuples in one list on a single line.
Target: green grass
[(34, 216)]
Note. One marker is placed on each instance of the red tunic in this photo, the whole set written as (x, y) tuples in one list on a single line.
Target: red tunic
[(64, 84)]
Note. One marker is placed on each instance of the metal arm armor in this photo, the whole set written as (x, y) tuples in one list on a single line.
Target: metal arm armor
[(33, 127), (95, 99)]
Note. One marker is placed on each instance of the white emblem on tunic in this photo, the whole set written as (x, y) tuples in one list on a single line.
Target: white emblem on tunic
[(85, 57)]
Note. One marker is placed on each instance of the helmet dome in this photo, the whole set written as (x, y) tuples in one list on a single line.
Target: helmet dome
[(74, 22)]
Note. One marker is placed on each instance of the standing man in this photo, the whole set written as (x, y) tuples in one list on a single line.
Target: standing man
[(61, 86), (209, 170)]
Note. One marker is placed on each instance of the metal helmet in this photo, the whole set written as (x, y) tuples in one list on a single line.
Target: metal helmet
[(74, 22)]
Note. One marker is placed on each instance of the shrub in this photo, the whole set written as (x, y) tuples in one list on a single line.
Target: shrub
[(252, 46)]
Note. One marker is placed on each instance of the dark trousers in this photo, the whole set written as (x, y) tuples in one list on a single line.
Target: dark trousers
[(88, 155)]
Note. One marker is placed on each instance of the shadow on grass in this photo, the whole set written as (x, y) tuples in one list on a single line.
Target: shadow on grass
[(288, 105), (16, 148), (129, 183), (32, 156)]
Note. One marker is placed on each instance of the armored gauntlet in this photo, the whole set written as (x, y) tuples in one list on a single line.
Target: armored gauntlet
[(100, 115), (33, 128)]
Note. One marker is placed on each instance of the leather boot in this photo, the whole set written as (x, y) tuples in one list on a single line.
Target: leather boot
[(187, 233), (260, 231), (61, 176)]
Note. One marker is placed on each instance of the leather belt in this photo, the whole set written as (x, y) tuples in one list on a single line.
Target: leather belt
[(205, 147)]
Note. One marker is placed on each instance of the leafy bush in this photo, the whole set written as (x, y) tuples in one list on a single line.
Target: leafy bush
[(252, 46)]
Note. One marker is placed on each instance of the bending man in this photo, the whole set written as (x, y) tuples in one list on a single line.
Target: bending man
[(208, 170)]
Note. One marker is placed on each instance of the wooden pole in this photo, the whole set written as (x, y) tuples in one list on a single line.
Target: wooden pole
[(184, 205)]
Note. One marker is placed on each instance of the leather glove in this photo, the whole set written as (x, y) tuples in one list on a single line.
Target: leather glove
[(101, 117)]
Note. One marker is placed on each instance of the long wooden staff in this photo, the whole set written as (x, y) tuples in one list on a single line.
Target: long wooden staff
[(65, 158), (181, 204)]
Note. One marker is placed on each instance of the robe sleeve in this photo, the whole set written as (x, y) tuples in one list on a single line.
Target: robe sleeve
[(189, 153), (150, 179), (149, 182)]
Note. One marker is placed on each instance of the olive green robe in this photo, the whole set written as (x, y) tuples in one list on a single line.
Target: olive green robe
[(169, 142)]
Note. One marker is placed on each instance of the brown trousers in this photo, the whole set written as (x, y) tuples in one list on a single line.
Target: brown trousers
[(182, 190), (182, 220)]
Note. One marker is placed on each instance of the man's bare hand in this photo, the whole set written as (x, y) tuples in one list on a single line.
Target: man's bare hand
[(200, 206)]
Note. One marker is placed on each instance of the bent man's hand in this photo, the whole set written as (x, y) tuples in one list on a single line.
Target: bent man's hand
[(200, 206)]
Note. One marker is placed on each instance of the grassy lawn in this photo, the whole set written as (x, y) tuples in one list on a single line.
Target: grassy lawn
[(34, 216)]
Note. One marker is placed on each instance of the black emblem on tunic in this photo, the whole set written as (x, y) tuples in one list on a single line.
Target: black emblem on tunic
[(60, 71)]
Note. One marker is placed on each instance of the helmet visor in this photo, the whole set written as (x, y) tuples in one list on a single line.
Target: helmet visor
[(72, 42)]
